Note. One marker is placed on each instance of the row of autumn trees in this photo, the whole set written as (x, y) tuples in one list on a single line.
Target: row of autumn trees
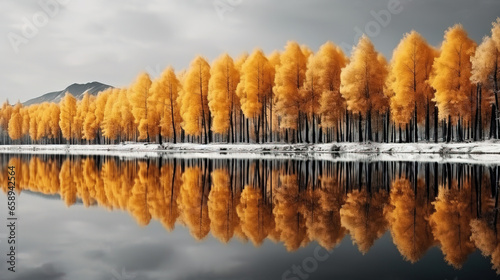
[(291, 96), (423, 205)]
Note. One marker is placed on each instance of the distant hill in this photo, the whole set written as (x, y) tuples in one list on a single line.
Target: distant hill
[(77, 90)]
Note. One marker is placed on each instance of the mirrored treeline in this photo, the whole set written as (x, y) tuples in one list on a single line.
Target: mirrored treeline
[(295, 202)]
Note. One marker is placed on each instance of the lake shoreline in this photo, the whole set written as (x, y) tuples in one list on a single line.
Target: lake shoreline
[(483, 147), (485, 152)]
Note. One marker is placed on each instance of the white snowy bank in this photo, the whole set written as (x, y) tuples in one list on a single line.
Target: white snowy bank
[(487, 152)]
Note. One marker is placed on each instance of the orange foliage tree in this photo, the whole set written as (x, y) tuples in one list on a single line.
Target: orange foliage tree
[(451, 79), (289, 79), (142, 109), (194, 103), (67, 116), (411, 68), (255, 90), (222, 98), (165, 91), (362, 84)]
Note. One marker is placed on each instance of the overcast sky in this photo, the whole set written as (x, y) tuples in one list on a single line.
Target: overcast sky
[(48, 47)]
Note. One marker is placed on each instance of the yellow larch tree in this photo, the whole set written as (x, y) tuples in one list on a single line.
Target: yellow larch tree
[(181, 76), (42, 129), (321, 90), (165, 91), (239, 116), (289, 79), (222, 98), (452, 78), (329, 62), (100, 107), (90, 121), (127, 121), (53, 113), (274, 61), (77, 126), (309, 93), (111, 121), (5, 115), (26, 120), (485, 74), (411, 68), (194, 105), (86, 116), (34, 119), (15, 126), (255, 88), (362, 84), (482, 70), (139, 95), (82, 111), (495, 80), (67, 116)]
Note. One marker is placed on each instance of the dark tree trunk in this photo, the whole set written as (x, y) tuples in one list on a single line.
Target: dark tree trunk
[(320, 132), (231, 125), (210, 134), (306, 120), (480, 115), (407, 140), (476, 116), (360, 129), (384, 131), (416, 124), (460, 132), (347, 130), (369, 125), (436, 124), (400, 135), (427, 122), (493, 124), (313, 129), (248, 131), (450, 130)]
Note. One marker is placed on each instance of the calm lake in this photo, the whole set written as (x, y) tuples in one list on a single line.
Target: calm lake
[(99, 217)]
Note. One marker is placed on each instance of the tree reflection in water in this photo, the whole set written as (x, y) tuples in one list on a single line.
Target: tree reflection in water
[(452, 206)]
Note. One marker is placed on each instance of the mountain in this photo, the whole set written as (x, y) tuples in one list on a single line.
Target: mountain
[(77, 90)]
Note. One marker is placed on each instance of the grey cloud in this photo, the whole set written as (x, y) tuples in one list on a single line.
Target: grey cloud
[(112, 41), (46, 271), (141, 256)]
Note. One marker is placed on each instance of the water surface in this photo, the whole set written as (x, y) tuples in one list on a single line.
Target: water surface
[(93, 217)]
